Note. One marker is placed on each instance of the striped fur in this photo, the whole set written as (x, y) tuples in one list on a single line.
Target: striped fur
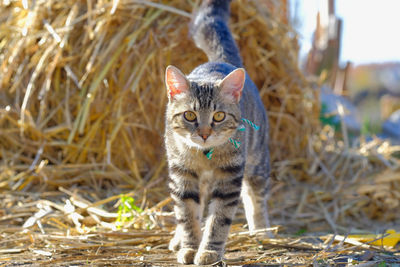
[(197, 183)]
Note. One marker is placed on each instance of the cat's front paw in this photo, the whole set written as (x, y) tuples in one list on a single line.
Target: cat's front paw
[(186, 255), (204, 257), (174, 244)]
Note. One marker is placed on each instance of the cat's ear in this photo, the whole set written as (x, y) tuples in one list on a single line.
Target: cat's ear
[(176, 82), (232, 85)]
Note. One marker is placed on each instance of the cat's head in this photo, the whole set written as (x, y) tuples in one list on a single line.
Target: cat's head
[(203, 114)]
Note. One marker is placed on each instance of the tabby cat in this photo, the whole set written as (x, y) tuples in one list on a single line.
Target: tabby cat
[(204, 111)]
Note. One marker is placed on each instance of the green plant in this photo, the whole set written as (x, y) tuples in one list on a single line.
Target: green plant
[(328, 119), (369, 127), (126, 210), (301, 232)]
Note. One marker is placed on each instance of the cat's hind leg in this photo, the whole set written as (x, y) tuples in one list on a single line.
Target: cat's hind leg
[(175, 242), (254, 195)]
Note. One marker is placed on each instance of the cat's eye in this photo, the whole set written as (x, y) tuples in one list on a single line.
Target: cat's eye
[(189, 116), (219, 116)]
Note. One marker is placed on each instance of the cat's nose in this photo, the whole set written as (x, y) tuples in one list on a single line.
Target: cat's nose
[(204, 132), (204, 136)]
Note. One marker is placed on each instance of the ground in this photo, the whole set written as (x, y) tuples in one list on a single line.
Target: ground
[(45, 233)]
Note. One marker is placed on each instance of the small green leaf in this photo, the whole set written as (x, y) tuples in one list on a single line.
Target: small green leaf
[(302, 231), (126, 210)]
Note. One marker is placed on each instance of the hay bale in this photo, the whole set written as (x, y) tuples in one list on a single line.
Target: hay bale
[(82, 104), (83, 97)]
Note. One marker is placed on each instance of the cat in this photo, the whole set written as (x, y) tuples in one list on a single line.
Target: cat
[(203, 114)]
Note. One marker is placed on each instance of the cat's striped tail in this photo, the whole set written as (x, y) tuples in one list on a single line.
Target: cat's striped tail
[(209, 30)]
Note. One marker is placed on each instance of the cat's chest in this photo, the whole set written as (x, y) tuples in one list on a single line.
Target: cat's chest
[(206, 161), (197, 160)]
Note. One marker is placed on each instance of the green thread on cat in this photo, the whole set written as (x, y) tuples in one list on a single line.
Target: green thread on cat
[(241, 128), (209, 154), (251, 123), (236, 143)]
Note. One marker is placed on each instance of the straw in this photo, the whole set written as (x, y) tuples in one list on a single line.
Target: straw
[(82, 103)]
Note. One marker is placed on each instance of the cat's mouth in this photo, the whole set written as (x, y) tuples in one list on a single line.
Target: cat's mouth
[(196, 141), (209, 142), (203, 142)]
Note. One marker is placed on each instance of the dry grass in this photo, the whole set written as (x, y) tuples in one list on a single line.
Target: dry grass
[(81, 121), (341, 188), (62, 228), (83, 87)]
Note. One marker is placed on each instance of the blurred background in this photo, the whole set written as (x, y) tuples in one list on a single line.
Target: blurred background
[(353, 47)]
